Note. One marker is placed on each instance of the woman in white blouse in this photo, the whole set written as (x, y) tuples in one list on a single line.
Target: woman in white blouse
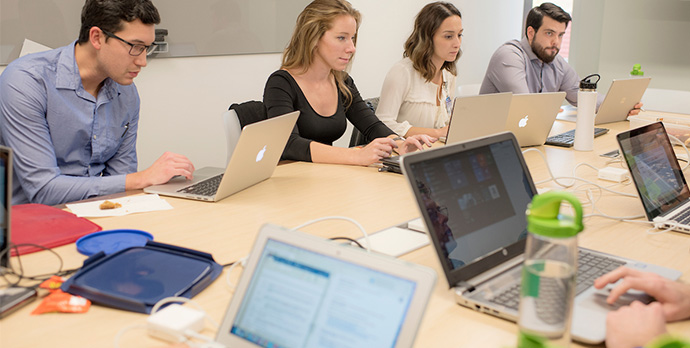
[(418, 92)]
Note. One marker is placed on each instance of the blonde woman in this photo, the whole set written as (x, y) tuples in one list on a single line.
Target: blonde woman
[(418, 92), (313, 80)]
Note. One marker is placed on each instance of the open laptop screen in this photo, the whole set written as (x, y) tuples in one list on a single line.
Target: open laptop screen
[(300, 298), (473, 197), (5, 202), (654, 167)]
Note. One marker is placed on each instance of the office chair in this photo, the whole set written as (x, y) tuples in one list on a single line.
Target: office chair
[(357, 138), (238, 116), (249, 112), (232, 130)]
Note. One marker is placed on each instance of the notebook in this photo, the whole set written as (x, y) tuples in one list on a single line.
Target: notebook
[(473, 197), (298, 290), (532, 115), (254, 159), (657, 175), (620, 99), (5, 204), (477, 116)]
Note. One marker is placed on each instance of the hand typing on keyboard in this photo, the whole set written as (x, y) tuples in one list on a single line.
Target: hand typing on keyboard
[(161, 171), (638, 324)]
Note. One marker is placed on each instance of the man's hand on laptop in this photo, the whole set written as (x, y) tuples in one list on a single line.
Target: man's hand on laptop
[(673, 296), (635, 325), (636, 109), (161, 171)]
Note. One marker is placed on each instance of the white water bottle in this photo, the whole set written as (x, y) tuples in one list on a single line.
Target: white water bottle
[(586, 107)]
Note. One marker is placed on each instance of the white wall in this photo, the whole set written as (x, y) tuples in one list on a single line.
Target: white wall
[(651, 33), (619, 33)]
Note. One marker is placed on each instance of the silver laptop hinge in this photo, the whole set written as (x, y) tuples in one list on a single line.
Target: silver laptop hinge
[(464, 286)]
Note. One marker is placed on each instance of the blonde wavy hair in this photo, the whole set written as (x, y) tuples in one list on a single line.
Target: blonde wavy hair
[(312, 23), (420, 45)]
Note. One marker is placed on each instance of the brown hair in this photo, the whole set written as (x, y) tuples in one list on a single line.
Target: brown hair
[(312, 23), (420, 45), (108, 15), (535, 17)]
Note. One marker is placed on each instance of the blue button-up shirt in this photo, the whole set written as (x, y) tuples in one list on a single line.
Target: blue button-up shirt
[(514, 67), (68, 144)]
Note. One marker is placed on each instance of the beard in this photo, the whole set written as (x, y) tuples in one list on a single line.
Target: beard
[(540, 51)]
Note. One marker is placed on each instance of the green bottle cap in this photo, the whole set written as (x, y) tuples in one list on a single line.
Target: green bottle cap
[(544, 218), (636, 71)]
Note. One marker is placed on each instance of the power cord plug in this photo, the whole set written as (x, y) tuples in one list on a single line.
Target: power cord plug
[(174, 322), (613, 174)]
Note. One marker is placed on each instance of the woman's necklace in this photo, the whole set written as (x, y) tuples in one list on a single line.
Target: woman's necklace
[(443, 87)]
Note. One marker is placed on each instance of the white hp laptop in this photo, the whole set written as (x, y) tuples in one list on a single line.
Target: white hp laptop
[(657, 175), (473, 197), (299, 290), (532, 115), (620, 99), (478, 116), (254, 159)]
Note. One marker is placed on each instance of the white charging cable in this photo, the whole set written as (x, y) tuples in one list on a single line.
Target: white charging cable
[(687, 153), (242, 261), (367, 243)]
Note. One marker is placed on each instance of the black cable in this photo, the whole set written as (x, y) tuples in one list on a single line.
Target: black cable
[(20, 275), (348, 239), (228, 264)]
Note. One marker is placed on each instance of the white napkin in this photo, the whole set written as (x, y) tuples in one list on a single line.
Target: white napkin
[(130, 204)]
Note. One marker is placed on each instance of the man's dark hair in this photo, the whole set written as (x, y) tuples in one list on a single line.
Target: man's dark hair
[(535, 17), (109, 15)]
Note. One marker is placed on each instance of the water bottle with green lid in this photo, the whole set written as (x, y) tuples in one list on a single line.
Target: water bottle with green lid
[(548, 273)]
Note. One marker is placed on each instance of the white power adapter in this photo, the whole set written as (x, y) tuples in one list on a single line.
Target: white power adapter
[(171, 322), (613, 174)]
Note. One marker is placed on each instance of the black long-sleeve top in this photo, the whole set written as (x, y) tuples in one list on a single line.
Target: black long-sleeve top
[(282, 94)]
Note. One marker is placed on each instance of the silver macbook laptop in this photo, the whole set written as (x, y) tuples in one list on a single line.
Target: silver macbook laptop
[(473, 197), (254, 159), (658, 176), (532, 115), (478, 116), (620, 99), (299, 290)]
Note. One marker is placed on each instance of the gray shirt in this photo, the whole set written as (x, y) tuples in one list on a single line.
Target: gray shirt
[(515, 68)]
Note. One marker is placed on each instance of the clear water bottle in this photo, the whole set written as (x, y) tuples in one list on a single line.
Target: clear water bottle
[(548, 273)]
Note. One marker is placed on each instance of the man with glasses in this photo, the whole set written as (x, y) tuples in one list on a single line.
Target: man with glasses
[(71, 114)]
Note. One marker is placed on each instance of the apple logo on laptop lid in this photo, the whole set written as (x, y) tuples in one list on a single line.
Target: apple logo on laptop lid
[(523, 121), (260, 155)]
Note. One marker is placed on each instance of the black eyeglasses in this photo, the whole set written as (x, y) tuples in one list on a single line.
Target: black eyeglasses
[(134, 49)]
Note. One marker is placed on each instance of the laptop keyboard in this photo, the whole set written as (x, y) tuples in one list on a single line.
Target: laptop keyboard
[(567, 139), (206, 187), (590, 267), (683, 218)]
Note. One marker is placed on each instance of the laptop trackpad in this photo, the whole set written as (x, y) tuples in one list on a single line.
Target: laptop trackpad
[(589, 315)]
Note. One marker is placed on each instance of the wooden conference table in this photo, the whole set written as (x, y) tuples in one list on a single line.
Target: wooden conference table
[(299, 192)]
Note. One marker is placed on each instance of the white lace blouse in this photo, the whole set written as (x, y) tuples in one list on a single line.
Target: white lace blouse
[(407, 100)]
